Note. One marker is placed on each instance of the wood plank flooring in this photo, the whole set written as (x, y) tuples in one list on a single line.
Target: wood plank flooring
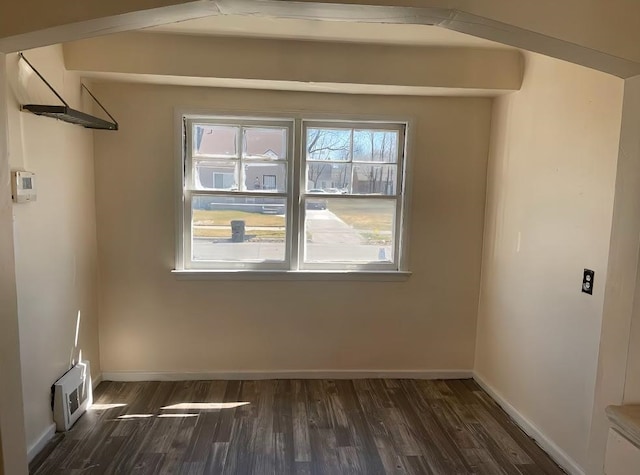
[(308, 427)]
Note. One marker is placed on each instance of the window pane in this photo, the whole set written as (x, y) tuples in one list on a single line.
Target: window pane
[(238, 229), (215, 175), (265, 176), (330, 177), (265, 143), (350, 231), (375, 146), (215, 140), (374, 179), (328, 144)]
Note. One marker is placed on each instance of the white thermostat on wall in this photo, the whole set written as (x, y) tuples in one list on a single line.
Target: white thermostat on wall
[(23, 186)]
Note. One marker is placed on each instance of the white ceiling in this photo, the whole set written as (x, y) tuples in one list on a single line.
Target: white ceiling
[(324, 30)]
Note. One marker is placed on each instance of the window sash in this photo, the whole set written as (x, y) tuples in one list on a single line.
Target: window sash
[(398, 196), (189, 189), (296, 194)]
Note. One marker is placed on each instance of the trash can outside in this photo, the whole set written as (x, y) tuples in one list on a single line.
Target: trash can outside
[(237, 231)]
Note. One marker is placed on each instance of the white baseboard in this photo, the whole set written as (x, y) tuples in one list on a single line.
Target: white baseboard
[(96, 381), (550, 447), (293, 374), (35, 448)]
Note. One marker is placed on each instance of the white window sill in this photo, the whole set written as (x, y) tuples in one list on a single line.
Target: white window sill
[(373, 276)]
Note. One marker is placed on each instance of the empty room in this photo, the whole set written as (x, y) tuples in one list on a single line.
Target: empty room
[(348, 237)]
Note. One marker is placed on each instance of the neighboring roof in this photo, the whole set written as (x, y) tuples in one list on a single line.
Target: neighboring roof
[(222, 140)]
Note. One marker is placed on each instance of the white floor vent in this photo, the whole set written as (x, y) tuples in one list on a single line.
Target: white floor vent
[(72, 395)]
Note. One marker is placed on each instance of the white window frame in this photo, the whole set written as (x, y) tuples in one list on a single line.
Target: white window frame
[(188, 190), (295, 197), (398, 197)]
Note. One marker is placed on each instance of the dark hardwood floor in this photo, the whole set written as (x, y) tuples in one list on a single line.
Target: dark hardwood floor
[(294, 426)]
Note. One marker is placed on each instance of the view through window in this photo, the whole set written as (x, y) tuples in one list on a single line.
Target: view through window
[(257, 198)]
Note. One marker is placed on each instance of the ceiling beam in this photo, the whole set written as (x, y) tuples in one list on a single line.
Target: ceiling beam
[(306, 62), (600, 34), (553, 37)]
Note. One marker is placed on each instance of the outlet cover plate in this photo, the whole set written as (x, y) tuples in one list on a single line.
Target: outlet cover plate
[(587, 281)]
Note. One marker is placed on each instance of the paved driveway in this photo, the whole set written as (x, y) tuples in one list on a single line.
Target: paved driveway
[(324, 227)]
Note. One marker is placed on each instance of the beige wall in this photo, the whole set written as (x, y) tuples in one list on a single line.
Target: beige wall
[(55, 240), (149, 321), (12, 440), (631, 118), (632, 380), (551, 183), (616, 360)]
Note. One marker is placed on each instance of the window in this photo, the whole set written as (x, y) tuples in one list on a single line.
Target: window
[(269, 182), (257, 197)]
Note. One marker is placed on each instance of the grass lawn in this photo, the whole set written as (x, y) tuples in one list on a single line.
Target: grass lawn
[(364, 215), (373, 219), (376, 238), (224, 217)]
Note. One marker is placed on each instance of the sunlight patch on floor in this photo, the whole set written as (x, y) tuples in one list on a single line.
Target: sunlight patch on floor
[(104, 407), (135, 416), (201, 406), (177, 415)]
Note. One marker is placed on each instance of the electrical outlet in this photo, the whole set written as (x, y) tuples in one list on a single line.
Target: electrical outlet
[(587, 281)]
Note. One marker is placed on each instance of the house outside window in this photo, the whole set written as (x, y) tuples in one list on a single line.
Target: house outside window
[(289, 195)]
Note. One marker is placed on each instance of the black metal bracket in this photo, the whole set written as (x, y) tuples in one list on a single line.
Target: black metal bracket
[(65, 112)]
